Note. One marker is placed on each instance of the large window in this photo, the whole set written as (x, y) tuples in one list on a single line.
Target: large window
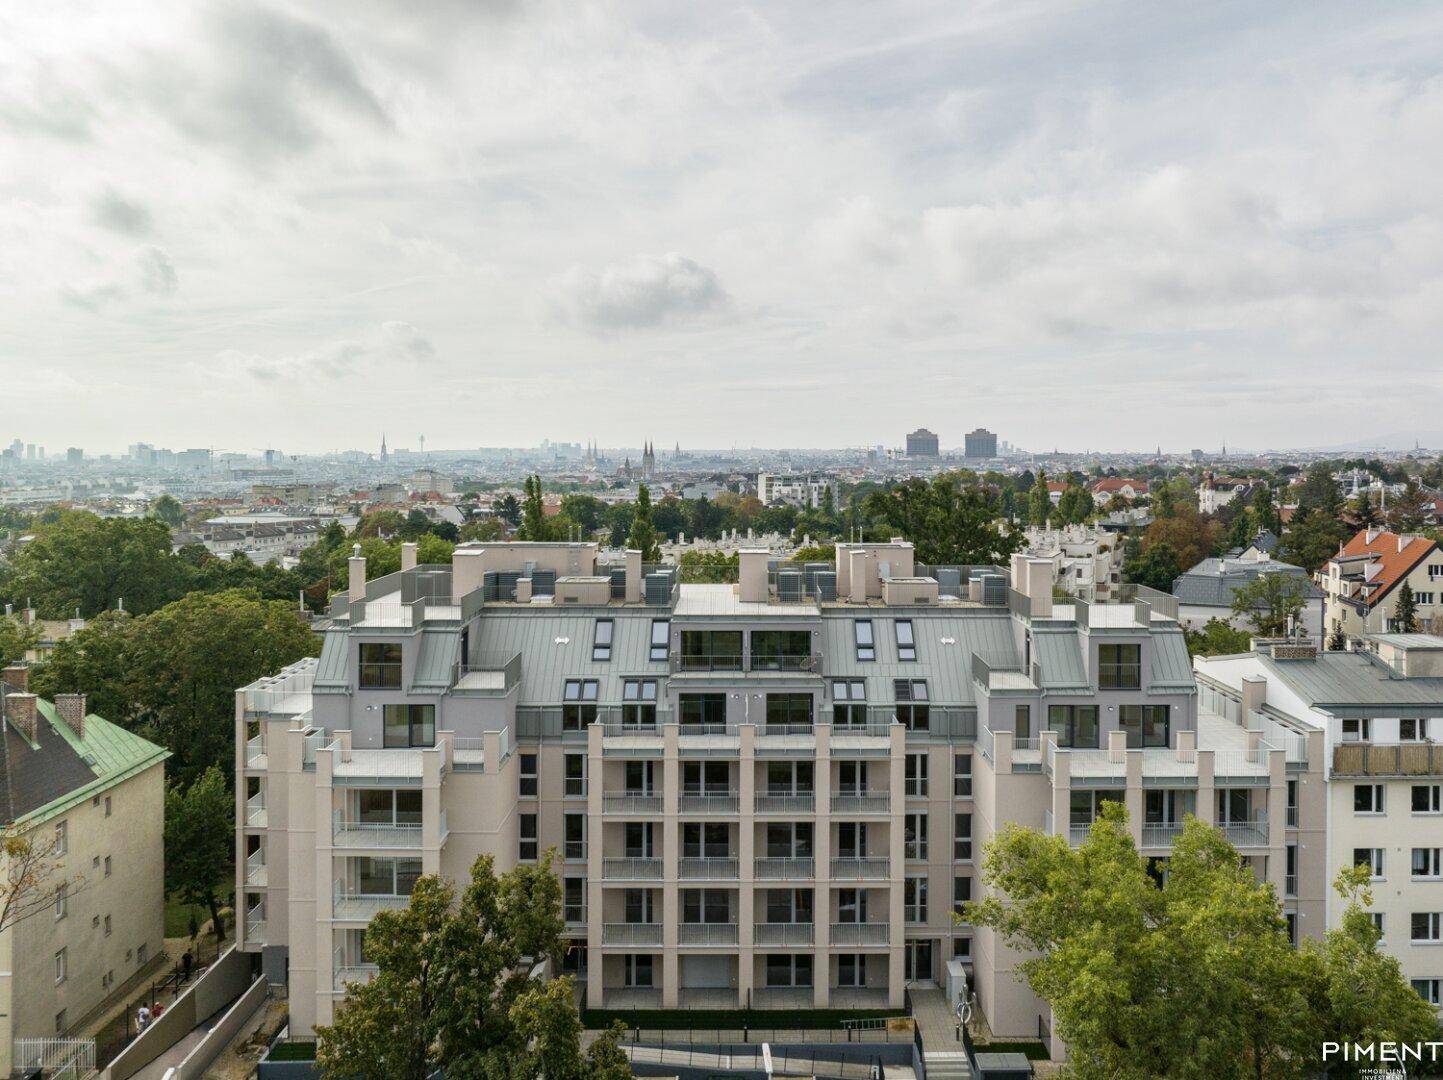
[(1368, 799), (702, 710), (914, 835), (962, 837), (784, 969), (789, 711), (638, 970), (601, 641), (866, 644), (914, 899), (1119, 667), (660, 638), (914, 777), (1427, 798), (578, 704), (962, 775), (386, 877), (409, 725), (1146, 725), (1427, 926), (638, 702), (849, 702), (389, 806), (526, 838), (913, 709), (781, 650), (906, 643), (711, 650), (1076, 725), (380, 666), (573, 830)]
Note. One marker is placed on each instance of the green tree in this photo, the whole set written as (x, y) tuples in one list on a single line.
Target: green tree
[(483, 529), (1217, 637), (1337, 640), (1242, 532), (508, 509), (1319, 491), (1164, 501), (382, 557), (1270, 601), (948, 522), (1408, 511), (454, 991), (200, 842), (1312, 538), (1405, 610), (1156, 566), (167, 508), (643, 533), (1365, 513), (1264, 513), (1039, 501), (16, 639), (93, 661), (533, 513), (1075, 505)]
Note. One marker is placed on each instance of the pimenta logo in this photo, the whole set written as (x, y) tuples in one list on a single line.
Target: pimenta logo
[(1383, 1053)]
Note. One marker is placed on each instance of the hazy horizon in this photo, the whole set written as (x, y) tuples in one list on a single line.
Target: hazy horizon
[(1108, 226)]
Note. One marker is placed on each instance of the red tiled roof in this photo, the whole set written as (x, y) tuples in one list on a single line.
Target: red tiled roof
[(1117, 483), (1394, 561)]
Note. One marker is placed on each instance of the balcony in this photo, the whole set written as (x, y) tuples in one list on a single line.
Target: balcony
[(1160, 833), (804, 802), (631, 869), (706, 934), (354, 975), (1246, 834), (698, 869), (784, 869), (681, 665), (861, 933), (709, 802), (1388, 759), (256, 868), (631, 804), (862, 804), (256, 925), (468, 754), (786, 662), (869, 869), (256, 811), (784, 933), (362, 907), (347, 833), (256, 753), (628, 933)]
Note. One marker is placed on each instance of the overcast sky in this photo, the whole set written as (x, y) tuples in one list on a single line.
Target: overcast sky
[(1096, 225)]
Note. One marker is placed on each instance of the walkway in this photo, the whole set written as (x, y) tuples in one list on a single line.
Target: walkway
[(943, 1055)]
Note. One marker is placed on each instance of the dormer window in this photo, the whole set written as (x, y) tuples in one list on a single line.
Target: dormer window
[(380, 666), (1119, 667), (906, 643), (601, 642), (578, 708), (866, 645)]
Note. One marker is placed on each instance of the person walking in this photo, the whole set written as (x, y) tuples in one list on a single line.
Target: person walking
[(185, 965), (142, 1020)]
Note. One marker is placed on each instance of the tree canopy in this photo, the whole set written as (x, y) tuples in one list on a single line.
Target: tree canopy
[(200, 841), (948, 521), (1270, 600)]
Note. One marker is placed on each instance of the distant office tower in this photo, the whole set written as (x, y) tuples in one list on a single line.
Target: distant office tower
[(922, 443), (74, 455), (981, 444)]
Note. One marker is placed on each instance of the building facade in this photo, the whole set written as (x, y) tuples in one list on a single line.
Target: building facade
[(1360, 584), (980, 444), (922, 444)]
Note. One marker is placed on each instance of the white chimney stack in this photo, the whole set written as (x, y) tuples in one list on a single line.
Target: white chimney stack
[(357, 582)]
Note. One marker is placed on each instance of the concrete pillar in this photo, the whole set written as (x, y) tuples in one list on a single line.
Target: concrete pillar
[(671, 852), (633, 576), (752, 576), (467, 567), (595, 847), (408, 556), (1255, 694), (858, 577)]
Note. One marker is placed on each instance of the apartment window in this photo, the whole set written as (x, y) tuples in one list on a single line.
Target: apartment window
[(1427, 862), (851, 906), (107, 806), (107, 926), (914, 899), (61, 1023), (637, 776), (527, 777), (711, 650), (107, 866), (851, 970), (1411, 730), (660, 638), (962, 948), (851, 840), (638, 702), (961, 893), (1119, 667), (906, 643), (1377, 919), (1357, 730), (1430, 990), (574, 834), (706, 906), (789, 711), (386, 877), (702, 710), (962, 837), (791, 777), (380, 666), (1435, 572), (914, 836), (1145, 725), (409, 725), (789, 840), (389, 806), (578, 704), (62, 838), (1372, 858), (1290, 870), (638, 839), (912, 703), (601, 640), (1427, 928), (1427, 798), (1367, 798), (781, 650), (849, 702), (574, 780), (62, 903), (962, 775), (60, 966), (915, 783), (573, 899), (527, 850), (1076, 725), (1424, 598), (638, 970), (1022, 724), (638, 907), (862, 633), (1292, 807), (1290, 920), (784, 969)]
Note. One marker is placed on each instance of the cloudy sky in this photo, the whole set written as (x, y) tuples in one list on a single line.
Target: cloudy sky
[(1100, 225)]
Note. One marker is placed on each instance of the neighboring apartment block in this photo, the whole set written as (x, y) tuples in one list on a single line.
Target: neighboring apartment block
[(1377, 717), (94, 794), (772, 793), (1086, 560), (1360, 584)]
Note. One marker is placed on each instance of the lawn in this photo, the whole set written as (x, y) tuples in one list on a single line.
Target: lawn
[(177, 914)]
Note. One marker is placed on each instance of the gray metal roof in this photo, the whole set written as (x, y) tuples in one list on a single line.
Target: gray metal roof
[(332, 668), (1059, 654), (557, 647), (436, 659), (946, 667), (1409, 641), (1212, 582), (1339, 682), (1171, 665)]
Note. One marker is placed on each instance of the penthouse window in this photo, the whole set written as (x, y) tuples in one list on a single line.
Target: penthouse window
[(866, 644), (913, 708), (601, 642), (1146, 725), (1076, 725), (906, 643), (711, 650), (1119, 667), (380, 666), (578, 708), (409, 725), (849, 702), (660, 638), (638, 702)]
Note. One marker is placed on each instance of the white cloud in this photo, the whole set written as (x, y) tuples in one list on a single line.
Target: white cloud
[(388, 350), (643, 292)]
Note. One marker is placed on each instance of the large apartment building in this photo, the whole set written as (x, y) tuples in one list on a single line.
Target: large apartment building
[(771, 793), (1360, 584)]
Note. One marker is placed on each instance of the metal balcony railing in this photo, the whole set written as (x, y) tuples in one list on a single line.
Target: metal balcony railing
[(362, 907), (631, 869), (804, 802), (256, 867), (870, 803), (786, 662), (681, 664), (861, 933), (256, 810), (368, 834), (706, 934), (574, 914), (631, 933), (1292, 819), (354, 975), (792, 933), (1160, 833), (707, 869), (709, 802), (793, 869), (773, 730), (628, 803), (256, 752), (866, 869), (1246, 833), (256, 925)]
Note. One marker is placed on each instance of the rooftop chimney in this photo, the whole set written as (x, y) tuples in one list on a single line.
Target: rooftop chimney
[(20, 710), (408, 556), (752, 575), (17, 677), (357, 582), (71, 708)]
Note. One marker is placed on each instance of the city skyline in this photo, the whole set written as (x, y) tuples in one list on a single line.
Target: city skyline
[(1079, 225)]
